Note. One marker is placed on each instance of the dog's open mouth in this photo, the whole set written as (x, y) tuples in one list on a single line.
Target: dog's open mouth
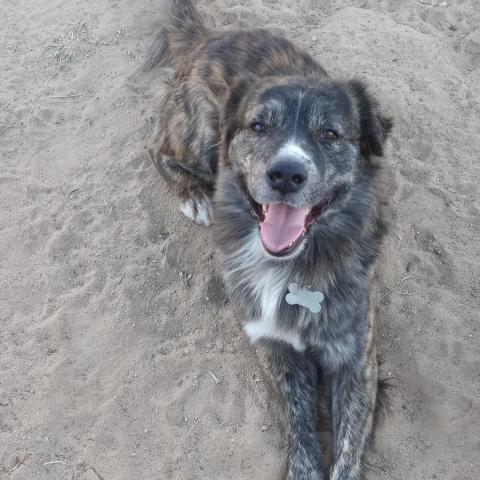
[(283, 228)]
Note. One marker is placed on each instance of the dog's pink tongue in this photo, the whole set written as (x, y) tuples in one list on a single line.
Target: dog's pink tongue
[(282, 226)]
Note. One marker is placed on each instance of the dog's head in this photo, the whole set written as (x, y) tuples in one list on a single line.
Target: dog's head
[(297, 147)]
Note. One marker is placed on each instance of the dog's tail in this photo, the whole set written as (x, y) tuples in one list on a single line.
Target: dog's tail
[(182, 28)]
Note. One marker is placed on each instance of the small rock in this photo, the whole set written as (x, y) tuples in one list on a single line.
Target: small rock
[(264, 428)]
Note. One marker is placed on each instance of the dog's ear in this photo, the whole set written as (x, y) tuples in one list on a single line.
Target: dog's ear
[(374, 127)]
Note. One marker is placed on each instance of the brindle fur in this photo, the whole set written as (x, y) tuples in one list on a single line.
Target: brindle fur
[(224, 82), (185, 150)]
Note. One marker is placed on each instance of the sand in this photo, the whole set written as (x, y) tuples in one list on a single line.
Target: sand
[(120, 356)]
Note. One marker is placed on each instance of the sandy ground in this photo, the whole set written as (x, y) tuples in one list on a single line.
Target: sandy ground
[(120, 357)]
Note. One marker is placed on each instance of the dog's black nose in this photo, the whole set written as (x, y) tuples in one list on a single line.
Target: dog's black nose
[(287, 177)]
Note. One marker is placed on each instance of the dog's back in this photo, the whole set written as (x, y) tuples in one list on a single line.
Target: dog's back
[(219, 59)]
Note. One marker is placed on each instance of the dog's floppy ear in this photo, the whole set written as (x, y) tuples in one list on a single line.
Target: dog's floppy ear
[(374, 127)]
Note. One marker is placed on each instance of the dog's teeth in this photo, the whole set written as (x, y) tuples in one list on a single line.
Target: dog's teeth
[(264, 208), (308, 210)]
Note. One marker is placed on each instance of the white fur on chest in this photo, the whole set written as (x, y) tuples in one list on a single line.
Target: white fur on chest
[(252, 269)]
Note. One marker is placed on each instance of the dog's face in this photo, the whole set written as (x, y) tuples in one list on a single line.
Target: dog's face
[(298, 148)]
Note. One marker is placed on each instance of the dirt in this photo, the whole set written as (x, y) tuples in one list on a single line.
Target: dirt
[(120, 355)]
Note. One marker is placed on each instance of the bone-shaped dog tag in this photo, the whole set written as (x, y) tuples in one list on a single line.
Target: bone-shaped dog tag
[(304, 298)]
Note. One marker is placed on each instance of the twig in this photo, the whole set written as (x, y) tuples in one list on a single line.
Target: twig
[(185, 276), (215, 378), (96, 473), (193, 425), (19, 462), (56, 461), (61, 97), (397, 283)]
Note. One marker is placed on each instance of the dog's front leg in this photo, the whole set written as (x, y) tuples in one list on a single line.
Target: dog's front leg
[(297, 381), (352, 414)]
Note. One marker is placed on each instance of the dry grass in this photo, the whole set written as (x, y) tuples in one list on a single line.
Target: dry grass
[(64, 49), (428, 4)]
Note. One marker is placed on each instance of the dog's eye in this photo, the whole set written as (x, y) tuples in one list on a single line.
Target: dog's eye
[(329, 135), (258, 127)]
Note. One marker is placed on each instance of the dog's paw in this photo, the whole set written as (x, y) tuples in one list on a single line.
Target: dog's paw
[(198, 210)]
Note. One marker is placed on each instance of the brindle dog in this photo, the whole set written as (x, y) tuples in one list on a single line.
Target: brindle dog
[(289, 155)]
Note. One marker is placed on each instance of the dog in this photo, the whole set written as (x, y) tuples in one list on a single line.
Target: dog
[(255, 135)]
